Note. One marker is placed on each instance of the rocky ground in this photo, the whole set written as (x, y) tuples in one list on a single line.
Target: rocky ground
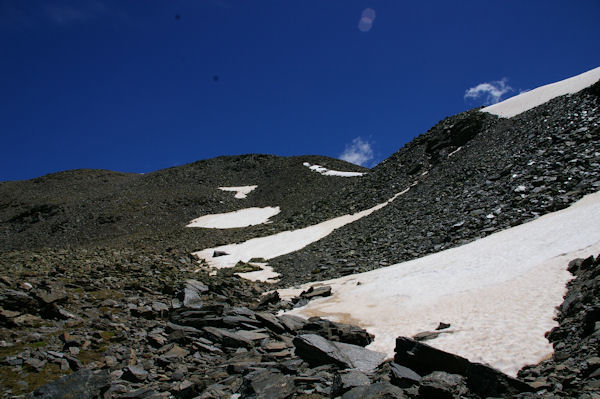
[(126, 324)]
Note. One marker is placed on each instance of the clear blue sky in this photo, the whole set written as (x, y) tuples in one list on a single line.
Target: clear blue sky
[(137, 86)]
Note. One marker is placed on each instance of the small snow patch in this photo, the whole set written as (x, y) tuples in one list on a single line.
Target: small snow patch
[(328, 172), (241, 192), (242, 218)]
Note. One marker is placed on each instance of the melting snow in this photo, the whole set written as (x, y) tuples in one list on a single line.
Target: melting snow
[(281, 243), (531, 99), (328, 172), (241, 192), (498, 293), (242, 218)]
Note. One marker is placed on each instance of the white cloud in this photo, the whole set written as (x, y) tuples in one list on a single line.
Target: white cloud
[(359, 152), (490, 92)]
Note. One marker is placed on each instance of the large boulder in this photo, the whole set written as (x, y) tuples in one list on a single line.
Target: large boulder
[(317, 350), (481, 379), (81, 384)]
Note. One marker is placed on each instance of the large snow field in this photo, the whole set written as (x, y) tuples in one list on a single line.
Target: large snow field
[(241, 218), (328, 172), (498, 293), (279, 244), (241, 192), (525, 101)]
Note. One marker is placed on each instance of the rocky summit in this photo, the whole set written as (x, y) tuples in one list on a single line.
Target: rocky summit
[(102, 297)]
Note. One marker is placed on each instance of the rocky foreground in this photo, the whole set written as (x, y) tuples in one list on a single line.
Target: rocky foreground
[(117, 323)]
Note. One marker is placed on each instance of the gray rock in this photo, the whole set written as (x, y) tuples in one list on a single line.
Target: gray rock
[(270, 321), (343, 382), (191, 294), (292, 323), (403, 376), (313, 292), (82, 384), (379, 390), (268, 384), (441, 385), (135, 373), (228, 338), (481, 379), (317, 350)]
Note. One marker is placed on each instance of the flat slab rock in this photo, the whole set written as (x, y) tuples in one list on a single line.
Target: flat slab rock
[(81, 384), (317, 350), (481, 379)]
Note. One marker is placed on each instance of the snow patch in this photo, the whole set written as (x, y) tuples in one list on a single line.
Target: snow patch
[(498, 293), (531, 99), (328, 172), (242, 218), (241, 192), (275, 245), (266, 274)]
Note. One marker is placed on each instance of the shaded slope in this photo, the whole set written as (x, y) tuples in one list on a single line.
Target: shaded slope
[(84, 206)]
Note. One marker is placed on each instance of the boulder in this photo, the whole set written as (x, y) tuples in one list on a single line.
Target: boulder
[(267, 384), (317, 350), (343, 382), (403, 376), (441, 385), (191, 294), (81, 384), (481, 379), (379, 390)]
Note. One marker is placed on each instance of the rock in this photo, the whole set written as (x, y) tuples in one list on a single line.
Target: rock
[(270, 321), (270, 298), (267, 384), (55, 294), (426, 336), (292, 323), (82, 384), (228, 338), (317, 350), (253, 335), (403, 376), (135, 373), (313, 292), (176, 352), (481, 379), (191, 294), (441, 385), (379, 390), (442, 326), (216, 254), (343, 382)]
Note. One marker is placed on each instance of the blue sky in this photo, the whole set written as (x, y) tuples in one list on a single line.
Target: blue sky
[(137, 86)]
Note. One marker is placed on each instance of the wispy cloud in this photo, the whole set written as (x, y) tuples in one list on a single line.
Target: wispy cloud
[(489, 92), (358, 152)]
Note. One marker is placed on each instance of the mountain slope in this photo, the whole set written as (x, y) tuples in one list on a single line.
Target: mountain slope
[(476, 174), (87, 206)]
